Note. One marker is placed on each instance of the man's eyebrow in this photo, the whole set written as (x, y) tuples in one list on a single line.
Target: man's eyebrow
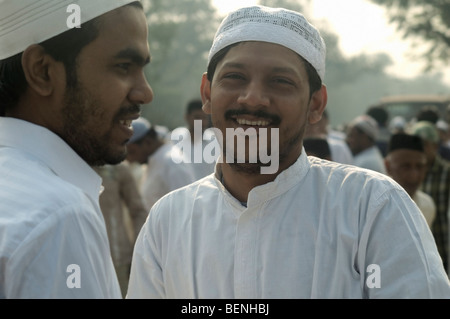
[(134, 56)]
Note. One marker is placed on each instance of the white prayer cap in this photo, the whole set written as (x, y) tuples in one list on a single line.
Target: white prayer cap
[(27, 22), (366, 124), (141, 127), (274, 25)]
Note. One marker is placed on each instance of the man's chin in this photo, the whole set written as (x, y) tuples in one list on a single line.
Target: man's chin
[(109, 159), (247, 168)]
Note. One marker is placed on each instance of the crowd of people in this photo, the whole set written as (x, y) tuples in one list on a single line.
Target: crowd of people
[(98, 202), (413, 152)]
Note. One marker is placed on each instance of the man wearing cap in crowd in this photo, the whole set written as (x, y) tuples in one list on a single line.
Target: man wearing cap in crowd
[(361, 138), (67, 99), (436, 184), (165, 170), (313, 228), (406, 163)]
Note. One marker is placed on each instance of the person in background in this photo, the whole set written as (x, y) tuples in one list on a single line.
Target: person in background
[(340, 152), (67, 99), (165, 170), (294, 226), (198, 138), (436, 184), (381, 116), (124, 212), (397, 125), (406, 163), (430, 114), (361, 136), (444, 134), (318, 147)]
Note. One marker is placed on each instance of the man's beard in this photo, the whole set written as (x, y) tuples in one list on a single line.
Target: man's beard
[(255, 168), (79, 112), (283, 150)]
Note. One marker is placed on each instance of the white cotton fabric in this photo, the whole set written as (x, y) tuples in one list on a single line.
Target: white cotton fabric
[(164, 173), (27, 22), (426, 205), (49, 219), (370, 158), (193, 150), (274, 25), (314, 232)]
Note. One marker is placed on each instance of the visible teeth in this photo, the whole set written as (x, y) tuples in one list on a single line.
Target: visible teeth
[(126, 123), (252, 123)]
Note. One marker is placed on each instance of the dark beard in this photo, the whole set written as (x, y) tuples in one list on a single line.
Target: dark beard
[(255, 168), (79, 110)]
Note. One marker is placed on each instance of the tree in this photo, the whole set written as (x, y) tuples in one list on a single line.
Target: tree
[(180, 35), (423, 20)]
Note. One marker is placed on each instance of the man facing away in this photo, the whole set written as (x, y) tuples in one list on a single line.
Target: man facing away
[(68, 97), (165, 171), (309, 229), (193, 138), (361, 136)]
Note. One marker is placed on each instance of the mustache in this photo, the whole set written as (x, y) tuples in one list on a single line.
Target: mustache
[(274, 119), (129, 110)]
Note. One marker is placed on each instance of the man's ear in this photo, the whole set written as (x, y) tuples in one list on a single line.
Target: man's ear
[(41, 71), (317, 105), (205, 91)]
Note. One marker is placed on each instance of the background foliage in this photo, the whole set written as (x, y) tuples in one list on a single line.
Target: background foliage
[(181, 33)]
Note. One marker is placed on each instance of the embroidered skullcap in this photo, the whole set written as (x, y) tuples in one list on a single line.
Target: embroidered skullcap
[(274, 25), (141, 127), (397, 123), (27, 22), (366, 124), (426, 130), (405, 141)]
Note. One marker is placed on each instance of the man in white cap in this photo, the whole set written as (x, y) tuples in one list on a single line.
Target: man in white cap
[(361, 138), (313, 228), (165, 170), (68, 95)]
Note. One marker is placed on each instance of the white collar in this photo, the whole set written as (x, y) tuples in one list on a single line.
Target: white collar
[(287, 179), (51, 150)]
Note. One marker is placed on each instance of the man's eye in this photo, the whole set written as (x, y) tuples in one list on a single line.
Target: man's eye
[(283, 81), (234, 76), (124, 66)]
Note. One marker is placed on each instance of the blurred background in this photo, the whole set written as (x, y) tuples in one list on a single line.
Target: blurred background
[(375, 48)]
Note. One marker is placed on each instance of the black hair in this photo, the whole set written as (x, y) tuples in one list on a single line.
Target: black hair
[(379, 114), (194, 105), (318, 147), (64, 48), (429, 113), (405, 141), (315, 82)]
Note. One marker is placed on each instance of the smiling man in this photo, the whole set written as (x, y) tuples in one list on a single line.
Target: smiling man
[(313, 228), (68, 97)]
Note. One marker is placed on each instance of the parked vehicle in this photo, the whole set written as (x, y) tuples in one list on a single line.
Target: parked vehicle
[(408, 106)]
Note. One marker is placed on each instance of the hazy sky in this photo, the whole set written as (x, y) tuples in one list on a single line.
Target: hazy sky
[(362, 26)]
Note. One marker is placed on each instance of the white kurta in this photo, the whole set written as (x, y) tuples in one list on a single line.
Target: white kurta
[(163, 174), (53, 241), (320, 230), (426, 205), (370, 158)]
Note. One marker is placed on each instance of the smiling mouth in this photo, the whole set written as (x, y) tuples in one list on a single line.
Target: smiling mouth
[(255, 119), (126, 123), (247, 122)]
